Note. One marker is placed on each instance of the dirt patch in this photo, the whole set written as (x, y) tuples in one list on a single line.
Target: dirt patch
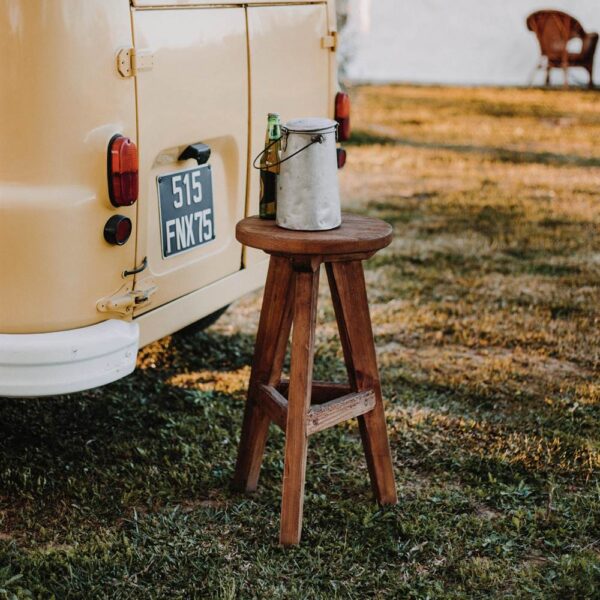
[(226, 382)]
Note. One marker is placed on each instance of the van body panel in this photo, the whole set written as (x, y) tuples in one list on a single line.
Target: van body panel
[(61, 101), (196, 91), (173, 316), (64, 264)]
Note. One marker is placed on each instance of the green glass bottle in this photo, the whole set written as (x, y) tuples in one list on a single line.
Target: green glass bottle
[(269, 169)]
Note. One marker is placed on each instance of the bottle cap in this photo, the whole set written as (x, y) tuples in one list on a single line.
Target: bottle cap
[(274, 116)]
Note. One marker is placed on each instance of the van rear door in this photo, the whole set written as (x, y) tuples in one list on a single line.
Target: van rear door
[(291, 72), (192, 88)]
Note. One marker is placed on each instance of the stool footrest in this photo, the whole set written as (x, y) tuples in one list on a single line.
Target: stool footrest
[(322, 391), (339, 410), (319, 417)]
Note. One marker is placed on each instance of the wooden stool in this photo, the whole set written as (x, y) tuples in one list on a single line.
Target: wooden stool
[(291, 296)]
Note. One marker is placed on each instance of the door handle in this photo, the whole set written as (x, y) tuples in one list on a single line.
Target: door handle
[(199, 152)]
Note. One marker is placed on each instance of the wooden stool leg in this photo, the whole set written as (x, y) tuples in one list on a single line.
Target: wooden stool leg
[(296, 439), (269, 353), (348, 291)]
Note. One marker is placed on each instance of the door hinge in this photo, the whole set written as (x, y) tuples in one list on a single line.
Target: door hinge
[(330, 42), (126, 300), (131, 61)]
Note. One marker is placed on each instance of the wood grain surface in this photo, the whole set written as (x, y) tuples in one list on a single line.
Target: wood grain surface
[(356, 234)]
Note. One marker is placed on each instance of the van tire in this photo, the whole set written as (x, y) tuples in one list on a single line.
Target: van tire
[(202, 324)]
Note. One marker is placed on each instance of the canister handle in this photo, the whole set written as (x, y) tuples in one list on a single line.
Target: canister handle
[(315, 139)]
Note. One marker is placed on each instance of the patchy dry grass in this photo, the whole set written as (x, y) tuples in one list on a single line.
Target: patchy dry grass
[(487, 321)]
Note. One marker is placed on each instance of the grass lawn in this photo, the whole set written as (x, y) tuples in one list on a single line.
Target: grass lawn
[(487, 320)]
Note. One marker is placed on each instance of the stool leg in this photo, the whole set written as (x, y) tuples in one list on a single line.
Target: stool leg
[(348, 291), (269, 353), (296, 439)]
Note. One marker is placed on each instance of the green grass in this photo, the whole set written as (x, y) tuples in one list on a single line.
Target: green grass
[(486, 315)]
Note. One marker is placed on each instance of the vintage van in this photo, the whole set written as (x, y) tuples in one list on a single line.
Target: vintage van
[(127, 129)]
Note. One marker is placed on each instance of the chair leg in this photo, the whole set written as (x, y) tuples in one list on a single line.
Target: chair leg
[(271, 341), (296, 439), (548, 75), (566, 77), (531, 79), (591, 81), (348, 291)]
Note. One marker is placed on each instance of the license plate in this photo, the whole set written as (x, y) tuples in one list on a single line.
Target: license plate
[(187, 218)]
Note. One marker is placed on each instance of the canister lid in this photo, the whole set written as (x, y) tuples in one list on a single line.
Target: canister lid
[(311, 125)]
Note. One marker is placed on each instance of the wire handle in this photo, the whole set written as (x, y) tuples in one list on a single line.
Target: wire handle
[(315, 139)]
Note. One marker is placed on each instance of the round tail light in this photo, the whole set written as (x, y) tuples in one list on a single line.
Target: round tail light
[(117, 230)]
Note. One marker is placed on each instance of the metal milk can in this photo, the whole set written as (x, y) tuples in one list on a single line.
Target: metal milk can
[(308, 196)]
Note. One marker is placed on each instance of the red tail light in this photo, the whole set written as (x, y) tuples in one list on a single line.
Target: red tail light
[(123, 171), (342, 116)]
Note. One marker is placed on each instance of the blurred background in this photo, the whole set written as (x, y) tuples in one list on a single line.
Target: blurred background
[(463, 42)]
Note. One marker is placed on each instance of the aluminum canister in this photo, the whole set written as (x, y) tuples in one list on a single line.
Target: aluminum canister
[(308, 195)]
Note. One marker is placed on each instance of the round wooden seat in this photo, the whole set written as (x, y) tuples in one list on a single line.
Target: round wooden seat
[(356, 235)]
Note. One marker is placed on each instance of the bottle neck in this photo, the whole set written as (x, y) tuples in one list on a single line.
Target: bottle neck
[(274, 130)]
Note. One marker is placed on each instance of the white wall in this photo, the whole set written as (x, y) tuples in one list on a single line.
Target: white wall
[(473, 42)]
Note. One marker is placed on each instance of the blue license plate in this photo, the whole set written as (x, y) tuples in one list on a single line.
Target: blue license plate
[(187, 218)]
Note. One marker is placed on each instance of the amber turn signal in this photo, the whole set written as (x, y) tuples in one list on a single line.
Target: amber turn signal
[(123, 171), (342, 116), (117, 230)]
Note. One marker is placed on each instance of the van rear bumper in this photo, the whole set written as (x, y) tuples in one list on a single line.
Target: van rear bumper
[(45, 364)]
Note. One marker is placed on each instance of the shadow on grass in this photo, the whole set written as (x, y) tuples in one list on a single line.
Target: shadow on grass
[(138, 441), (160, 436), (144, 441), (367, 138)]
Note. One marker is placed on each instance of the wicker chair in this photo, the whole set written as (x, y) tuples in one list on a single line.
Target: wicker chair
[(554, 30)]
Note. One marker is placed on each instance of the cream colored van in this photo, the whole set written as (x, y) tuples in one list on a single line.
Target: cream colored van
[(127, 129)]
